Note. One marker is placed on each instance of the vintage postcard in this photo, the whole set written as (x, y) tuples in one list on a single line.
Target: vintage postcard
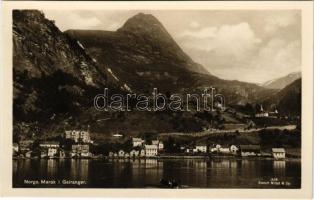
[(213, 99)]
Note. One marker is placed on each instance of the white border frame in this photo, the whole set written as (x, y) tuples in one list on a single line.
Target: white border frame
[(307, 100)]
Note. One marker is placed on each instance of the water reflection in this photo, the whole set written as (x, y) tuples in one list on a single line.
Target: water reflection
[(79, 169), (119, 173), (279, 167), (51, 168)]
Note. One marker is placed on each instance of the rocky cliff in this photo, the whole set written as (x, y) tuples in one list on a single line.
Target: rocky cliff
[(52, 73)]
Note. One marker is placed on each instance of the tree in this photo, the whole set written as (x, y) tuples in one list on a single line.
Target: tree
[(127, 145), (67, 144)]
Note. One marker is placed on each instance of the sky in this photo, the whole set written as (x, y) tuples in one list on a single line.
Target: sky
[(246, 45)]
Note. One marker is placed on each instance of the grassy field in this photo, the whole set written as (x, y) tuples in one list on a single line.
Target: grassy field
[(266, 138)]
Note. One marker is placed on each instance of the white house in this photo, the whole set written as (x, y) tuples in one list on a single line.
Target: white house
[(142, 153), (224, 150), (151, 150), (49, 145), (15, 148), (52, 152), (216, 148), (262, 114), (28, 154), (159, 144), (278, 153), (121, 153), (234, 149), (134, 153), (78, 136), (200, 148), (49, 149), (137, 142), (80, 150)]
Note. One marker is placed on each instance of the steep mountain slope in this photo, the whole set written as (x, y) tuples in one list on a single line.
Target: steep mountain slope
[(52, 74), (290, 98), (144, 55), (282, 82), (287, 100)]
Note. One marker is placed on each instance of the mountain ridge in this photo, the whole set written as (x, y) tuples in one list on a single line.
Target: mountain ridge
[(283, 81)]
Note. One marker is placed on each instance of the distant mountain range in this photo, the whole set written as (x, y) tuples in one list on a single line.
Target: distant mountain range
[(57, 74), (282, 82)]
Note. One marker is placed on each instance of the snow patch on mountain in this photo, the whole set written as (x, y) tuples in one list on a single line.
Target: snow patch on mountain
[(80, 44), (112, 74)]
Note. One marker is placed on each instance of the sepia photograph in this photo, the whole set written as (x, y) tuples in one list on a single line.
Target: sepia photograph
[(153, 98)]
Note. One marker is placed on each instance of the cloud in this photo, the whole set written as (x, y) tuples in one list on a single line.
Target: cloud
[(279, 56), (226, 40), (201, 33), (194, 24), (236, 52), (276, 21), (72, 20), (276, 58), (85, 22)]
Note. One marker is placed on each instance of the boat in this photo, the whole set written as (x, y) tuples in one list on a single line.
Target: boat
[(169, 183)]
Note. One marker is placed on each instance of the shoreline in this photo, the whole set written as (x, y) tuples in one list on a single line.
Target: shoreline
[(167, 158)]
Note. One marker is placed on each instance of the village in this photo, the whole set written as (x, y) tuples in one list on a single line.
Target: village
[(78, 144)]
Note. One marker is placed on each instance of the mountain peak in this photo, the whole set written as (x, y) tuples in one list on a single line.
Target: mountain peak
[(143, 16), (143, 42), (142, 23)]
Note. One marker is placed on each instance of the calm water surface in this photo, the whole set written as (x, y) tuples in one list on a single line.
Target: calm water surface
[(139, 173)]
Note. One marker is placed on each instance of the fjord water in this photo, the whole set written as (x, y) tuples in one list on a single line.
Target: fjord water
[(146, 173)]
